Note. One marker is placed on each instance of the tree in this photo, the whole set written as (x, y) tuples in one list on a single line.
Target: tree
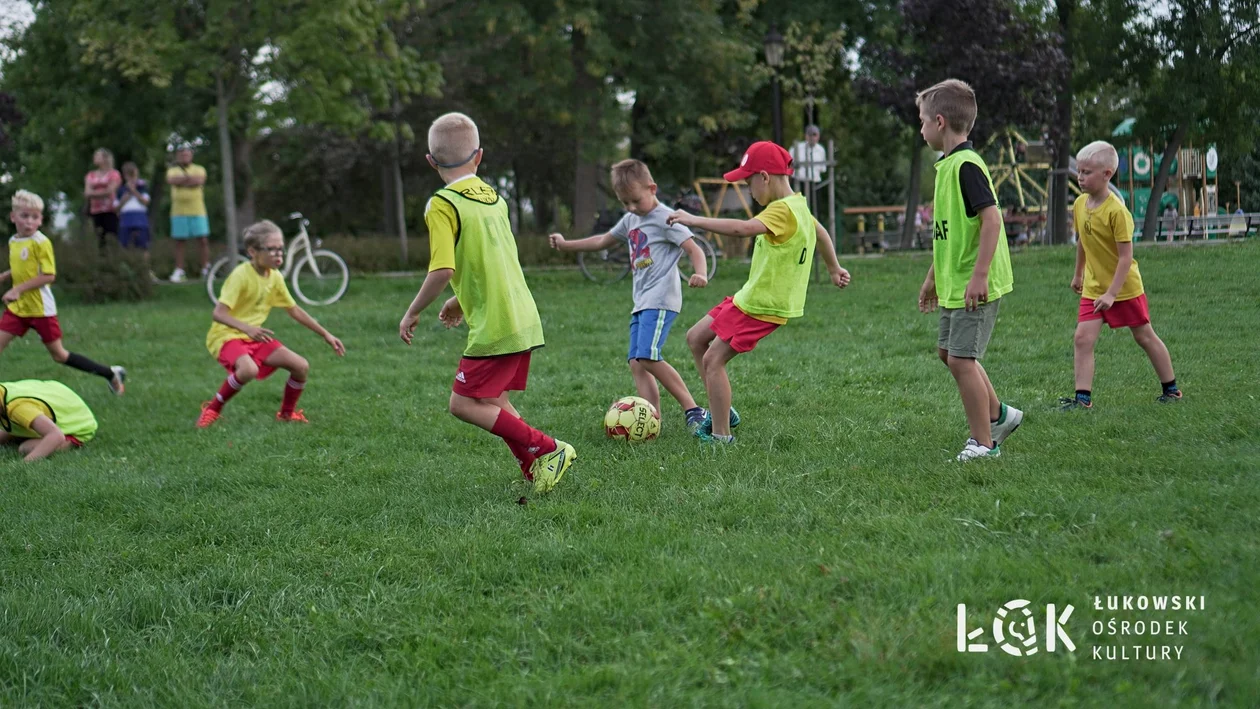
[(1011, 62)]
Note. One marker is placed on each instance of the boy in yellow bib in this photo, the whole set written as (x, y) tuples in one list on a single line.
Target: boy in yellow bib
[(782, 261), (473, 249), (43, 417), (971, 263)]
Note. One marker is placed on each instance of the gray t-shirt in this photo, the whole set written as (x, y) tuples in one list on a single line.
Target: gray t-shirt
[(654, 252)]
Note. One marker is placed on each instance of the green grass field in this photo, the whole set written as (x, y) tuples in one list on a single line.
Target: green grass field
[(380, 556)]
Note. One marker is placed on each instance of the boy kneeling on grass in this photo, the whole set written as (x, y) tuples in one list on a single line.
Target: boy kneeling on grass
[(43, 417)]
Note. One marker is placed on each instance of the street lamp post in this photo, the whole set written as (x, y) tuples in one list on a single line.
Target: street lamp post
[(774, 46)]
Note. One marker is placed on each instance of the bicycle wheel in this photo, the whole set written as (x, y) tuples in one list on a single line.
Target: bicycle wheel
[(606, 266), (218, 275), (710, 260), (320, 278)]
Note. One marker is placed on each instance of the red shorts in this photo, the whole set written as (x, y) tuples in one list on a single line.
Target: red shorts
[(48, 328), (258, 351), (736, 328), (488, 377), (74, 441), (1122, 313)]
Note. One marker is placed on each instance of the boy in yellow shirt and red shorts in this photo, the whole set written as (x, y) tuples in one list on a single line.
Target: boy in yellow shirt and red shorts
[(1107, 277)]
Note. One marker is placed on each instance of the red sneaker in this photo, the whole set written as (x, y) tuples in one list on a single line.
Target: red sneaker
[(296, 417), (208, 416)]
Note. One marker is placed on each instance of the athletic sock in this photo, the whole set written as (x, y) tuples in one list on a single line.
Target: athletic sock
[(227, 391), (1083, 396), (1169, 387), (526, 442), (1001, 417), (292, 390), (83, 364)]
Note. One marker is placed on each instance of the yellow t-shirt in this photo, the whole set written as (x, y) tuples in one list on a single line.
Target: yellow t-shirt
[(780, 226), (250, 298), (30, 257), (187, 201), (1099, 230), (443, 222)]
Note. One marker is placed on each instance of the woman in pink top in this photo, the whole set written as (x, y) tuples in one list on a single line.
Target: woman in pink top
[(99, 187)]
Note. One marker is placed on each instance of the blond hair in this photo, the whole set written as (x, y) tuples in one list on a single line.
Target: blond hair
[(258, 232), (630, 172), (1100, 153), (27, 200), (453, 138), (953, 99), (109, 155)]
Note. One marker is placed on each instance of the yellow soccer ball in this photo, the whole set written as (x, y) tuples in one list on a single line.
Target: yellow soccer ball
[(632, 419)]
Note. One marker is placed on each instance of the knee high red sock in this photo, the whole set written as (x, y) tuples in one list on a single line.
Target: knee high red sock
[(526, 442), (227, 391), (292, 390)]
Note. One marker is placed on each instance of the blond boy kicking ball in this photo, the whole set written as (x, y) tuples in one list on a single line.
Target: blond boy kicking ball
[(1107, 277), (786, 234)]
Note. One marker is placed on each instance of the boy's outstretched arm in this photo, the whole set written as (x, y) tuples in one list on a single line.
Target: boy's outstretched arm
[(743, 228), (50, 439), (699, 265), (599, 242), (303, 317), (977, 292), (839, 276), (433, 285)]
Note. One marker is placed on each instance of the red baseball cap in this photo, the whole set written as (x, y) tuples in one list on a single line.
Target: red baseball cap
[(762, 156)]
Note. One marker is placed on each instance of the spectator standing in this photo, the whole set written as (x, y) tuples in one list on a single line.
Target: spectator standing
[(99, 187), (188, 210)]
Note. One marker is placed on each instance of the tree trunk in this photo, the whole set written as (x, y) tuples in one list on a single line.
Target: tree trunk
[(400, 206), (243, 150), (387, 197), (638, 116), (1161, 179), (1061, 132), (225, 153), (586, 173), (912, 192)]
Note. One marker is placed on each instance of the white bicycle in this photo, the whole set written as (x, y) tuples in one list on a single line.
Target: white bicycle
[(320, 276)]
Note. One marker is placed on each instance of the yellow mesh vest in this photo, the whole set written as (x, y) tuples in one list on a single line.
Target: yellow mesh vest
[(498, 307), (779, 278), (61, 405)]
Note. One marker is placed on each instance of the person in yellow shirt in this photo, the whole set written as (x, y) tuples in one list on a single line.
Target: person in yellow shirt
[(783, 258), (43, 417), (238, 340), (1107, 277), (29, 304), (473, 249), (188, 210)]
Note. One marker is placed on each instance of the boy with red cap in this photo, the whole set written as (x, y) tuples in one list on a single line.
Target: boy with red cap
[(786, 234)]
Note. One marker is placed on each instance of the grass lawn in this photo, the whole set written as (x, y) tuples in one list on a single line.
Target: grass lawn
[(380, 557)]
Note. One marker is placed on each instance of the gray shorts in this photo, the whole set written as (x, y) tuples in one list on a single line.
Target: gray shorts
[(966, 333)]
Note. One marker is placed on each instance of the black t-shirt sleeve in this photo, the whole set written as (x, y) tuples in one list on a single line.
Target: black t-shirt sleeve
[(975, 189)]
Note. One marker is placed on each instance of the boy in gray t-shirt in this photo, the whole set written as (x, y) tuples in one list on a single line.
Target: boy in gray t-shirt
[(655, 248)]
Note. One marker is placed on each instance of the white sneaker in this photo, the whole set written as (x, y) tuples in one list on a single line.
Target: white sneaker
[(974, 450), (116, 384), (177, 276), (1001, 430)]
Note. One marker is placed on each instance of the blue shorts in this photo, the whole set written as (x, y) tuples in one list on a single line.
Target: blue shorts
[(190, 227), (648, 330), (133, 230)]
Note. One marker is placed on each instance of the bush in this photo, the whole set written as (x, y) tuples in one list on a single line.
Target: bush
[(94, 276)]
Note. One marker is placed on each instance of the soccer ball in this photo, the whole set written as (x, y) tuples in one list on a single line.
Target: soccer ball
[(632, 419)]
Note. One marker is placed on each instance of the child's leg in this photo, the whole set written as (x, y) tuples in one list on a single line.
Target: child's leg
[(498, 416), (672, 381), (298, 367), (645, 383), (77, 361), (1157, 351), (698, 339), (524, 454), (975, 397), (718, 385), (244, 372), (5, 339), (995, 406), (1083, 344)]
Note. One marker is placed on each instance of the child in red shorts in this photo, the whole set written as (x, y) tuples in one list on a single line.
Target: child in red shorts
[(237, 338), (29, 304), (1107, 277), (490, 294), (783, 258)]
